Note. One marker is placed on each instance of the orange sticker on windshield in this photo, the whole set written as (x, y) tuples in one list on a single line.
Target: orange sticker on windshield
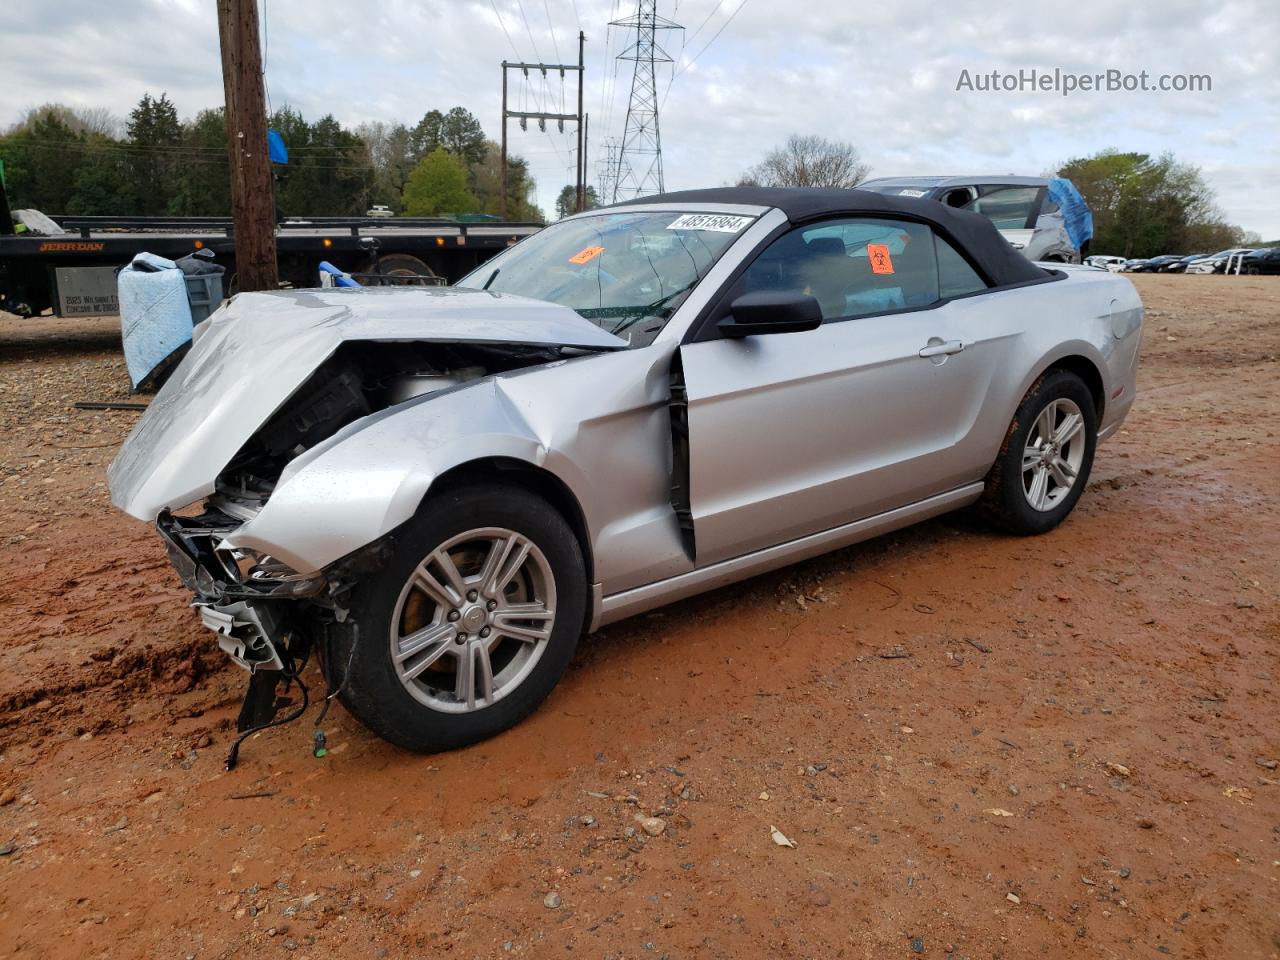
[(586, 256), (878, 254)]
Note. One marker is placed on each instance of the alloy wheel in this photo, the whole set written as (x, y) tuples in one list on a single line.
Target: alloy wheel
[(1053, 454), (473, 619)]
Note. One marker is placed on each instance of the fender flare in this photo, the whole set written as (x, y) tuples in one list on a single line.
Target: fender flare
[(373, 476), (1069, 350)]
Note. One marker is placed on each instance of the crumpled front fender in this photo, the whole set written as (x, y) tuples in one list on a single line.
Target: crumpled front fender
[(371, 477)]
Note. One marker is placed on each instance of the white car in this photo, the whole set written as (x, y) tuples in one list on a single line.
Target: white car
[(379, 210), (1216, 263), (1105, 262)]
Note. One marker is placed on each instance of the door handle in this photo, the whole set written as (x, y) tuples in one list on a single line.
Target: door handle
[(938, 348)]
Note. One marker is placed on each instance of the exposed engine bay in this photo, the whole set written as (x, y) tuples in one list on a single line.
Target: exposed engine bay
[(361, 378)]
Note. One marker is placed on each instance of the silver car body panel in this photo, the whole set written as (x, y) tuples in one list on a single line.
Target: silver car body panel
[(249, 356), (800, 442)]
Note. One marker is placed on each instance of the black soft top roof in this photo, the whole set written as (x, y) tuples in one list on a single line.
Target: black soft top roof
[(975, 233)]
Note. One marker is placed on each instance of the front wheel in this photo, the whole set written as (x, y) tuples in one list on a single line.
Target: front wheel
[(1046, 458), (469, 625)]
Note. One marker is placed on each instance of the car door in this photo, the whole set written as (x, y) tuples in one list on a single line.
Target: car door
[(1014, 210), (793, 433)]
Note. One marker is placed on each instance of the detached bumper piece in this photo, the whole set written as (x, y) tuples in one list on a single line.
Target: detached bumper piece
[(245, 633), (216, 574)]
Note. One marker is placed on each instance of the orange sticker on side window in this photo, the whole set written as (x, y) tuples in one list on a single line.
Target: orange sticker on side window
[(586, 255), (878, 254)]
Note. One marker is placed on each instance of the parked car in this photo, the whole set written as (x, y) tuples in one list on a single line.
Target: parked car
[(1266, 260), (1154, 264), (1020, 207), (437, 490), (1133, 264), (1216, 263), (1105, 262), (1180, 265)]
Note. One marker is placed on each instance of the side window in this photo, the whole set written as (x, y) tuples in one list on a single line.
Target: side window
[(1009, 208), (853, 267), (955, 276)]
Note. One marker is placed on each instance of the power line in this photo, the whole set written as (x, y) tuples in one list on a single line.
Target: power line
[(554, 43), (529, 30), (694, 36), (493, 3), (175, 149), (711, 41)]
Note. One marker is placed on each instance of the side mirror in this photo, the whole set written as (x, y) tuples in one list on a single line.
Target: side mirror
[(771, 311)]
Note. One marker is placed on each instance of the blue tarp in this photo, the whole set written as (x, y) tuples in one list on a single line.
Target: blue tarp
[(1075, 212), (277, 152), (155, 317)]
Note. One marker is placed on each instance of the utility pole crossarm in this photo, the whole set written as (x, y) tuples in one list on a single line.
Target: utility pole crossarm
[(519, 114), (543, 67)]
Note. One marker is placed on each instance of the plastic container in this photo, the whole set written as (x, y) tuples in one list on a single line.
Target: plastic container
[(204, 293)]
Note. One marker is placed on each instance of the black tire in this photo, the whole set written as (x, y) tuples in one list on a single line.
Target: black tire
[(1004, 501), (403, 265), (373, 691)]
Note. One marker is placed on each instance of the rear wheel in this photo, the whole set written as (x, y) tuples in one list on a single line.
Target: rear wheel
[(470, 624), (404, 266), (1046, 458)]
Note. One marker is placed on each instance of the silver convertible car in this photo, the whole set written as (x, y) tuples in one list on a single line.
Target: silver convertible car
[(437, 491)]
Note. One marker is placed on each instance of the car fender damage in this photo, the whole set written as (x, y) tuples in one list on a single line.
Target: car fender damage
[(241, 460)]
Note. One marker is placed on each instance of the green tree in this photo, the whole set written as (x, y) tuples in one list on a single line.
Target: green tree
[(461, 135), (329, 171), (457, 131), (155, 138), (486, 182), (567, 202), (42, 159), (204, 181), (425, 136), (1144, 206), (438, 185), (389, 151), (101, 184)]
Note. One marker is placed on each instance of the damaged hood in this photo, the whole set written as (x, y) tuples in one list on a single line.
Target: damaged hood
[(252, 354)]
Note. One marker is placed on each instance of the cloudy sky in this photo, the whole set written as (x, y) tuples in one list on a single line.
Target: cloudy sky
[(748, 73)]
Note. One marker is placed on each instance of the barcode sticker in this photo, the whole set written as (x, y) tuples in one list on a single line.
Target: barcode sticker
[(714, 222)]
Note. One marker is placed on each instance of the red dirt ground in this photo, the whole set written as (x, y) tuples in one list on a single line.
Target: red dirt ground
[(1076, 758)]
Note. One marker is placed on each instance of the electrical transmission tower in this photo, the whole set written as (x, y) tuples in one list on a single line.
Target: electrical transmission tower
[(638, 171), (607, 169)]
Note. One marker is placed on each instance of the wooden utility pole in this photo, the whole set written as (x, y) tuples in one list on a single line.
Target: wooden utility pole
[(581, 196), (504, 141), (252, 202)]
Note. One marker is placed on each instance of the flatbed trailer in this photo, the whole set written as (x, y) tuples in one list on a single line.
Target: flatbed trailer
[(73, 273)]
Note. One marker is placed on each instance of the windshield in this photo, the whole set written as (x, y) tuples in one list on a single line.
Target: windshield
[(626, 272)]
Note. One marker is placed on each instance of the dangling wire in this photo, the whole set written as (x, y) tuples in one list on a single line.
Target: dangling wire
[(319, 743), (293, 676)]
